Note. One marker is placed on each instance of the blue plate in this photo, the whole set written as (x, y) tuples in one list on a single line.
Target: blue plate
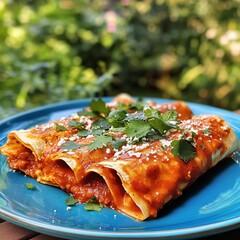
[(210, 206)]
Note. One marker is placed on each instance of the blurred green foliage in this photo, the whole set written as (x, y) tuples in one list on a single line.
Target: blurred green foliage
[(54, 51)]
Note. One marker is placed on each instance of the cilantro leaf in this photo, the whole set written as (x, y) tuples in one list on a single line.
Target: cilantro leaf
[(83, 133), (116, 118), (206, 131), (135, 116), (60, 127), (159, 125), (183, 149), (168, 116), (99, 142), (70, 201), (97, 132), (117, 143), (137, 128), (138, 105), (75, 124), (99, 106), (29, 186), (153, 135), (152, 113), (101, 124), (161, 122), (93, 205), (88, 113), (70, 146)]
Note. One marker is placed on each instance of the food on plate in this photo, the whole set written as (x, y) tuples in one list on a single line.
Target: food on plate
[(131, 155)]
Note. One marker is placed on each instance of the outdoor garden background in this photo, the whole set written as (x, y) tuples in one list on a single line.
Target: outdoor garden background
[(53, 51)]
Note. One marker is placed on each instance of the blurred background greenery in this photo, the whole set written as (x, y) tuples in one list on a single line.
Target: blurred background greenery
[(53, 51)]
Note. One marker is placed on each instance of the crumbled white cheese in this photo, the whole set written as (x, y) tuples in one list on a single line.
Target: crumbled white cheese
[(108, 150), (165, 142), (61, 142)]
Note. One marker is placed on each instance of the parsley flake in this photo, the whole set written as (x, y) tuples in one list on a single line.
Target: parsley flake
[(93, 205), (71, 201), (206, 131), (75, 124), (202, 146), (60, 127), (183, 149), (29, 186)]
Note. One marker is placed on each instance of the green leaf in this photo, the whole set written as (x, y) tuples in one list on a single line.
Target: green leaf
[(161, 122), (29, 186), (116, 144), (101, 124), (99, 106), (83, 133), (135, 116), (88, 113), (183, 149), (153, 135), (170, 115), (99, 142), (116, 118), (137, 128), (138, 105), (75, 124), (97, 132), (159, 125), (152, 113), (60, 127), (206, 131), (70, 146), (70, 201), (93, 205)]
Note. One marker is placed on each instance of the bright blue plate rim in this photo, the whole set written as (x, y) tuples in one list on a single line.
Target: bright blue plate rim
[(62, 231)]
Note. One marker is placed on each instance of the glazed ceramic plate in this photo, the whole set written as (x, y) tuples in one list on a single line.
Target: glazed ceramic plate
[(210, 206)]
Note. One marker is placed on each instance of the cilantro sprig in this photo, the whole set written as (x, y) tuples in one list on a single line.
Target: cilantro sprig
[(137, 124), (183, 149), (93, 205), (138, 121), (60, 127), (71, 201)]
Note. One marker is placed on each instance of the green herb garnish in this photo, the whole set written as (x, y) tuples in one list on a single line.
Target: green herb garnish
[(71, 201), (116, 118), (183, 149), (139, 125), (202, 146), (99, 142), (206, 131), (60, 127), (29, 186), (137, 128), (93, 205), (75, 124), (118, 143), (99, 107)]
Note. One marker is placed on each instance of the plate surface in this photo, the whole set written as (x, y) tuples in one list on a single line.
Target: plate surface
[(210, 206)]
